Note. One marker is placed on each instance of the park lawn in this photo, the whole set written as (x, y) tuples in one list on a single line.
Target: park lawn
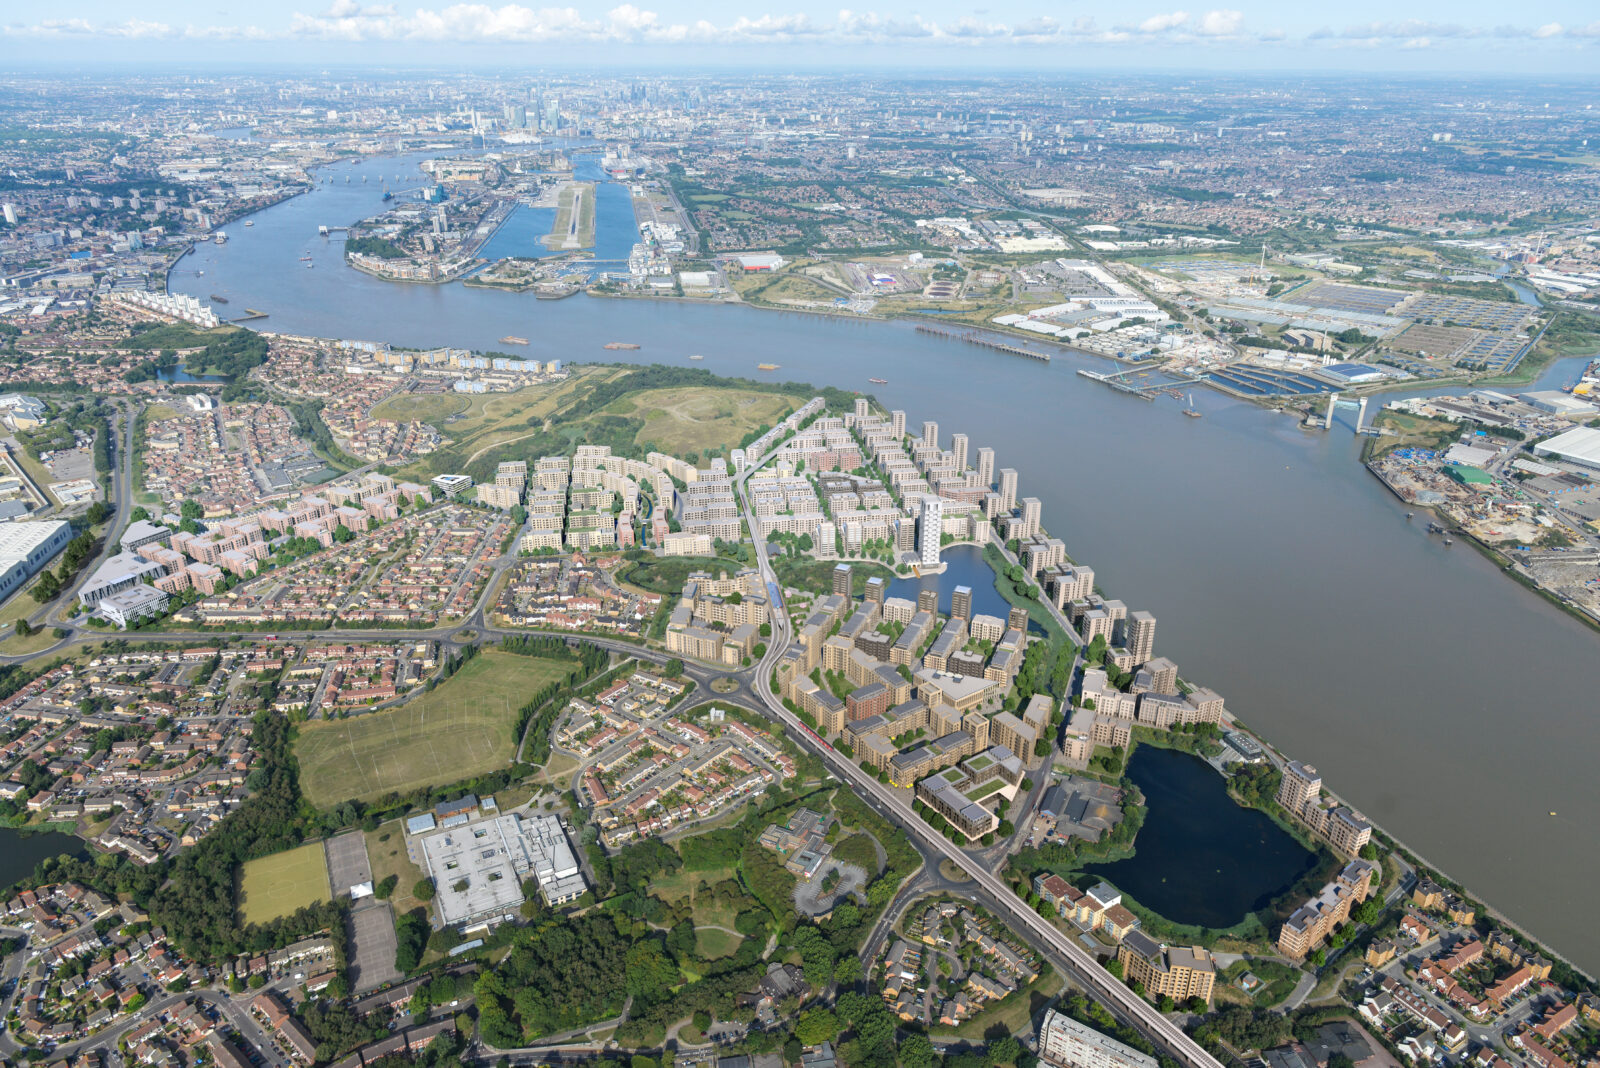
[(278, 885), (681, 883), (179, 336), (386, 849), (460, 729), (159, 412), (428, 407), (483, 412), (20, 605), (12, 645), (685, 419), (557, 769), (713, 942)]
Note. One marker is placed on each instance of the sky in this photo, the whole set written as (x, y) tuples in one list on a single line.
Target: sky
[(1550, 37)]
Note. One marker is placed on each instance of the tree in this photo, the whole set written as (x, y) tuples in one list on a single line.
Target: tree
[(1005, 1050), (673, 668), (916, 1051), (47, 588), (424, 890), (411, 938), (386, 887), (342, 534), (816, 1026), (24, 628), (191, 510), (651, 976)]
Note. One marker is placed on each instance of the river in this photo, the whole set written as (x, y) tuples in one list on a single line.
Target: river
[(1435, 694)]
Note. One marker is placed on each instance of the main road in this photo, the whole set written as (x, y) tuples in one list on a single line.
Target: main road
[(1133, 1008)]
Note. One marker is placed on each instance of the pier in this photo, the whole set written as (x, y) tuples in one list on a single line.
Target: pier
[(249, 314), (974, 338), (1118, 381)]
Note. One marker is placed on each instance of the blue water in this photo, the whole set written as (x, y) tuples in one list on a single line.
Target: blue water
[(519, 236), (615, 231), (965, 566), (178, 374), (1201, 858), (20, 851)]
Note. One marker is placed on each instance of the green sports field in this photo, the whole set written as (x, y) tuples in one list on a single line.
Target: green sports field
[(461, 729), (278, 885)]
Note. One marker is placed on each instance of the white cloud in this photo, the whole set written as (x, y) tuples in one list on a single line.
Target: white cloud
[(357, 21), (1220, 23), (1163, 23)]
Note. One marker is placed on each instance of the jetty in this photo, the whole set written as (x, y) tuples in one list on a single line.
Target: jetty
[(972, 337)]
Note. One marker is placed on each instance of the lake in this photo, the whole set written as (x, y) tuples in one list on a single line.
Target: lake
[(177, 374), (21, 852), (964, 566), (1201, 858)]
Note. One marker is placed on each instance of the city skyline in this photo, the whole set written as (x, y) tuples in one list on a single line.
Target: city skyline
[(1553, 38)]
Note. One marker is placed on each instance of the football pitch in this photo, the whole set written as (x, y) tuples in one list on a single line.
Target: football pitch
[(278, 885)]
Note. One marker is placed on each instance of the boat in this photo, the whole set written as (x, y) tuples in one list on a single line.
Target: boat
[(767, 366), (696, 356), (620, 345), (510, 339), (221, 237), (1409, 515), (1192, 412), (879, 381), (309, 266), (307, 256), (387, 195), (1447, 541), (249, 222), (215, 299)]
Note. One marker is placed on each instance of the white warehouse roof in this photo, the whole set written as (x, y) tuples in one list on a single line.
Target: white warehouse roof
[(1580, 446)]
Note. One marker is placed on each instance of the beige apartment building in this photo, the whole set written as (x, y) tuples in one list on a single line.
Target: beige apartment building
[(1179, 972)]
